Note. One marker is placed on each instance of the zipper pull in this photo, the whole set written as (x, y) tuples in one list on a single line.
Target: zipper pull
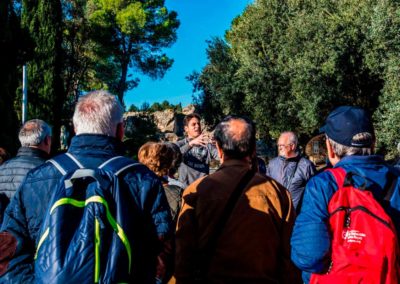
[(347, 218)]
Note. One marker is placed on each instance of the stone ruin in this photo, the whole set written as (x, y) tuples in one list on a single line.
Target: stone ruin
[(167, 125)]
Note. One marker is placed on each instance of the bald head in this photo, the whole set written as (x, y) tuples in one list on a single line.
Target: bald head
[(236, 137)]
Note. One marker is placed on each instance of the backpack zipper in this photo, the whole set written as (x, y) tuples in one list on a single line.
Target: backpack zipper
[(362, 208), (347, 221)]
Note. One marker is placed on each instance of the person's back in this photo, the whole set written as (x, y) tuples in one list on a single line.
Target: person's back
[(161, 159), (350, 143), (92, 146), (253, 246), (35, 138)]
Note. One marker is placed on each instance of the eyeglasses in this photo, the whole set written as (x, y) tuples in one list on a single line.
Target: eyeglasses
[(284, 145)]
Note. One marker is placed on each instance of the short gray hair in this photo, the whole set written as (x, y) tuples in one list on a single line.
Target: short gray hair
[(33, 132), (292, 137), (342, 150), (98, 112)]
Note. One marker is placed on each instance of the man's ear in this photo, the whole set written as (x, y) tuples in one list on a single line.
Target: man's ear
[(333, 159), (120, 131)]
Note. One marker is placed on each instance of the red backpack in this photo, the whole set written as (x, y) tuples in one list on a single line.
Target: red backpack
[(364, 247)]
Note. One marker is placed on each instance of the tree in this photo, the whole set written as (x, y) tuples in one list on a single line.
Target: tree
[(11, 45), (43, 20), (145, 106), (294, 61), (218, 87), (135, 33), (133, 108)]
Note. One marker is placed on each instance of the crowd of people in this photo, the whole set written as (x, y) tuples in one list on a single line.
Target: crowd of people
[(93, 215)]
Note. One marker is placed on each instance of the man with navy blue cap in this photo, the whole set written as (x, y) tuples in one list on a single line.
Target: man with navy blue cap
[(350, 141)]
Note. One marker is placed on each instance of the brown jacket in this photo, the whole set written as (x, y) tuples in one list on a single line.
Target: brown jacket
[(254, 246)]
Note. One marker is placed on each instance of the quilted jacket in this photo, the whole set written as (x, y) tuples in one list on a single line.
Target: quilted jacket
[(292, 173), (24, 215), (13, 171)]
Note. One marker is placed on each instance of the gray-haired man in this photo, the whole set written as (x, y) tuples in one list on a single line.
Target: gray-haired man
[(35, 138), (99, 128)]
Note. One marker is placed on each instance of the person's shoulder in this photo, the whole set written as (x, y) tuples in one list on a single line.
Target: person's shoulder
[(306, 161), (181, 142), (266, 183), (274, 161), (44, 170), (324, 179), (201, 185), (135, 167)]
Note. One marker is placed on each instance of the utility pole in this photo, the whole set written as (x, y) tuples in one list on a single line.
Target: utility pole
[(24, 94)]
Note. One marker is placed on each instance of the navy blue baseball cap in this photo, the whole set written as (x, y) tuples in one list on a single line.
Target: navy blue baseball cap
[(346, 121)]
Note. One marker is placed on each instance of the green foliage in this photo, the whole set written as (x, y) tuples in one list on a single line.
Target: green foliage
[(163, 106), (287, 64), (79, 45), (139, 130), (145, 106), (11, 45), (218, 86), (133, 108), (133, 33), (156, 107)]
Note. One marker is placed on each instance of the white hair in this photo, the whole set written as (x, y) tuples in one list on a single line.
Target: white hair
[(33, 132), (98, 112), (292, 137), (342, 150)]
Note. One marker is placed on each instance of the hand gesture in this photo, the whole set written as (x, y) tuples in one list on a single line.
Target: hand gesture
[(201, 140)]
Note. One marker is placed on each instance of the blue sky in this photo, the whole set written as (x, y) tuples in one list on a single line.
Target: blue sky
[(200, 20)]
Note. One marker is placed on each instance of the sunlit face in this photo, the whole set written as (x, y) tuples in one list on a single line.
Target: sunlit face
[(285, 147), (193, 128)]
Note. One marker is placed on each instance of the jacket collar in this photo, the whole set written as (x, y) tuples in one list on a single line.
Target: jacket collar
[(235, 163), (96, 142), (32, 152), (292, 159), (356, 160)]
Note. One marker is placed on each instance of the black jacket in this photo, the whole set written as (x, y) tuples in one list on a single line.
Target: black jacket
[(13, 171)]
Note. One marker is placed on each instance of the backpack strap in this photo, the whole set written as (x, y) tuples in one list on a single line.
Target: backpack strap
[(118, 164), (65, 163), (339, 174), (343, 179)]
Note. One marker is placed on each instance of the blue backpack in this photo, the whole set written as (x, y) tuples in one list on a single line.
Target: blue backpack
[(84, 235)]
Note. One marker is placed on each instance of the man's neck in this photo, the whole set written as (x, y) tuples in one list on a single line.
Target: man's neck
[(291, 155)]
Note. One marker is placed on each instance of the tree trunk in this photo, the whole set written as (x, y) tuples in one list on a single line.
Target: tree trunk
[(122, 81)]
